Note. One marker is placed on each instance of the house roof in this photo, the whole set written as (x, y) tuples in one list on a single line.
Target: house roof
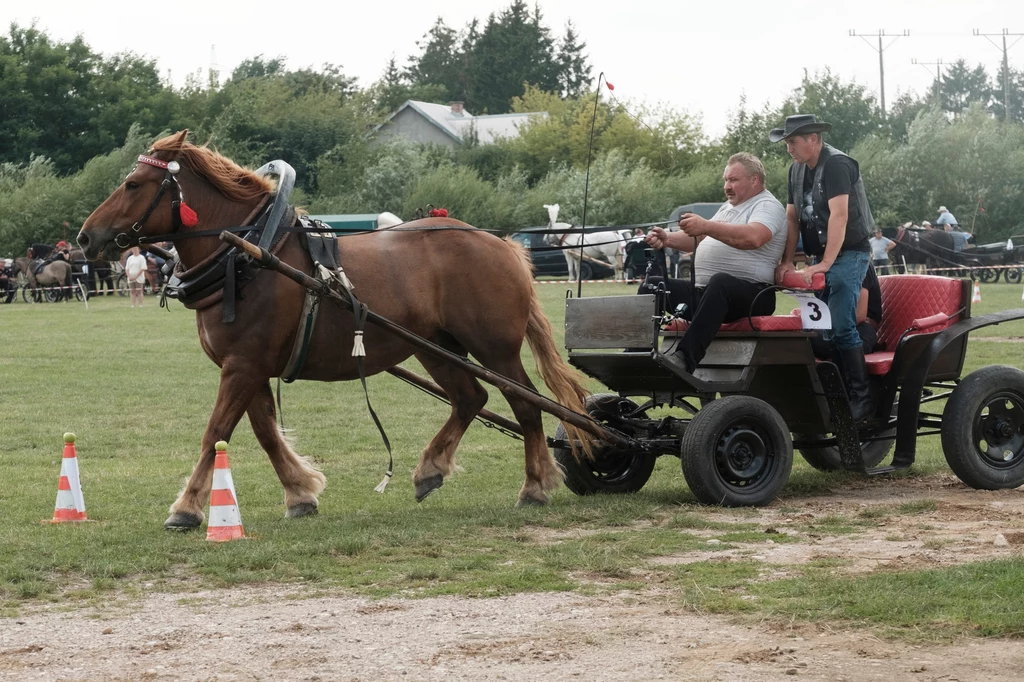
[(458, 125)]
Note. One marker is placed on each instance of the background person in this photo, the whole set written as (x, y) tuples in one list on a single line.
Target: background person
[(880, 248), (135, 271), (945, 217)]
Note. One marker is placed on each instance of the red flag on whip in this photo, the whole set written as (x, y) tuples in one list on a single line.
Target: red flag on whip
[(610, 86)]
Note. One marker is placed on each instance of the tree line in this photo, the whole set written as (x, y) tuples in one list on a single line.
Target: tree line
[(72, 122)]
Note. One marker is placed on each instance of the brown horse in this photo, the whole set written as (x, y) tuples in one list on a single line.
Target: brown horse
[(465, 289)]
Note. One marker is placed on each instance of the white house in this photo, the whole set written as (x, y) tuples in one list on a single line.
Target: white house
[(449, 125)]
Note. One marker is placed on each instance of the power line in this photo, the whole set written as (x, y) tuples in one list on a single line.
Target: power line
[(881, 52), (1006, 63), (936, 64)]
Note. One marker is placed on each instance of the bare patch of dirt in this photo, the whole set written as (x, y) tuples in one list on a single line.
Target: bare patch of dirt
[(905, 524), (271, 633), (263, 634)]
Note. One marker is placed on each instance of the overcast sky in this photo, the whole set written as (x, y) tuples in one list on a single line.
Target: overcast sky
[(700, 57)]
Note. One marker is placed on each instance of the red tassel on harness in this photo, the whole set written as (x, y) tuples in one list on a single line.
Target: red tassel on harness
[(438, 213), (188, 216)]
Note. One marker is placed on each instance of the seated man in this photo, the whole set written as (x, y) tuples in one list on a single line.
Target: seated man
[(959, 237), (869, 316), (735, 258)]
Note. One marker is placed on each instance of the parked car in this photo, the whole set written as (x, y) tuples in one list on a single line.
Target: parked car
[(548, 262)]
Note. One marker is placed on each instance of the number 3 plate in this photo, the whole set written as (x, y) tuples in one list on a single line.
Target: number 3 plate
[(814, 312)]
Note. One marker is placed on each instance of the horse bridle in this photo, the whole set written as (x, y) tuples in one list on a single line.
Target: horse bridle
[(171, 168)]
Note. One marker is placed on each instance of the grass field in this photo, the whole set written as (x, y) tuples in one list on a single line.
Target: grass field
[(137, 390)]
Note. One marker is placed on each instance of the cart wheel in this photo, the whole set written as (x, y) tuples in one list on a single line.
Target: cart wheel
[(983, 428), (1012, 275), (54, 294), (30, 296), (121, 284), (737, 452), (827, 458), (586, 271), (610, 470), (988, 275)]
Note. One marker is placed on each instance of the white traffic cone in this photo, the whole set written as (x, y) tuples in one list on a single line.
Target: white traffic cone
[(977, 293), (225, 522), (70, 505)]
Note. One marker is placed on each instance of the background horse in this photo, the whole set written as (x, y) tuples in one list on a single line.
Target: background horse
[(92, 275), (57, 273), (415, 275), (930, 248), (607, 246)]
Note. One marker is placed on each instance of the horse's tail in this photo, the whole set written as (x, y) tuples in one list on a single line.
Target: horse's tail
[(563, 380)]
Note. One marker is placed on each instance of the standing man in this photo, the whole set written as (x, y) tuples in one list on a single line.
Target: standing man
[(880, 248), (736, 254), (945, 217), (828, 208)]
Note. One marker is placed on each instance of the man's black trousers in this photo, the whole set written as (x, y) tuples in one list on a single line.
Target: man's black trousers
[(724, 299)]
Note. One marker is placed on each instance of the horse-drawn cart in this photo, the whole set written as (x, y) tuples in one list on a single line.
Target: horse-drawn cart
[(760, 392)]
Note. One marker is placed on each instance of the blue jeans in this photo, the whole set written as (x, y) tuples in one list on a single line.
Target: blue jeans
[(842, 289)]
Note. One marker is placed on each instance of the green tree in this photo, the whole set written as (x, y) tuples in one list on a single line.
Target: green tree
[(573, 70), (513, 49), (962, 86), (1016, 95)]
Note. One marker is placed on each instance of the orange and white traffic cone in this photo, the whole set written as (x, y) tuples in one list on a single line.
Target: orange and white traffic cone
[(225, 521), (977, 293), (70, 505)]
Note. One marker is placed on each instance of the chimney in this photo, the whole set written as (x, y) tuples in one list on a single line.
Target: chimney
[(456, 108)]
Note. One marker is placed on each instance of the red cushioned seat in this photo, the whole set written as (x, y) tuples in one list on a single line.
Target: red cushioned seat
[(766, 323), (906, 298), (879, 363)]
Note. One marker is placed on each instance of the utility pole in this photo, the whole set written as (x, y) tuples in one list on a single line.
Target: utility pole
[(881, 51), (1006, 63), (936, 64), (938, 73)]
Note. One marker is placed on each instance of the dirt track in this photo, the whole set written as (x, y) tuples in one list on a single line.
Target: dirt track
[(265, 633)]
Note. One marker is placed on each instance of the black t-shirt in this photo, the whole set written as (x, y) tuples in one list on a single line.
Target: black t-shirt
[(840, 175), (874, 295)]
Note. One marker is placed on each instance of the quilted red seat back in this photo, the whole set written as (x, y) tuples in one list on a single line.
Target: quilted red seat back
[(906, 298)]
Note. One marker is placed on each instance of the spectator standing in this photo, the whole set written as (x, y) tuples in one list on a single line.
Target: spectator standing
[(135, 270)]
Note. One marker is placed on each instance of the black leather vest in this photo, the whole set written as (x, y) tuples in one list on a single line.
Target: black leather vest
[(859, 224)]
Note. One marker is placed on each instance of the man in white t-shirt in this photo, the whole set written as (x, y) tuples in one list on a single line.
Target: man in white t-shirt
[(736, 255)]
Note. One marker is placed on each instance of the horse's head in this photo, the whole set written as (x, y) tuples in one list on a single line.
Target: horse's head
[(150, 203), (552, 214)]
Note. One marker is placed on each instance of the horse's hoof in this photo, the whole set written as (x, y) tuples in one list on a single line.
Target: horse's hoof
[(531, 501), (428, 485), (302, 509), (182, 522)]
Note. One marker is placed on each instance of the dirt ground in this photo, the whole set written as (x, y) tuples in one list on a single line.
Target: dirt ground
[(267, 633)]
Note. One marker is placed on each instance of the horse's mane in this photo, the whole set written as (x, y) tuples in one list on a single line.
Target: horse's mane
[(230, 179)]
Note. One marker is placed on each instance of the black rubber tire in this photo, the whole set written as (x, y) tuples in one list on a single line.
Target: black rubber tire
[(121, 284), (54, 294), (610, 470), (586, 270), (728, 428), (1012, 275), (827, 459), (969, 424), (988, 276)]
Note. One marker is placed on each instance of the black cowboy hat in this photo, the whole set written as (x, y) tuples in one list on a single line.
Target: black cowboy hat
[(799, 124)]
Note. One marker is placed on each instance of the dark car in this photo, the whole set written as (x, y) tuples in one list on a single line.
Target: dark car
[(548, 262)]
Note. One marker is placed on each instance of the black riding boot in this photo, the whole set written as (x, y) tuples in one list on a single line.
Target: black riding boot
[(855, 376)]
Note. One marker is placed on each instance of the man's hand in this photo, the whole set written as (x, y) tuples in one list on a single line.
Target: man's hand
[(811, 271), (657, 238), (780, 272), (693, 225)]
